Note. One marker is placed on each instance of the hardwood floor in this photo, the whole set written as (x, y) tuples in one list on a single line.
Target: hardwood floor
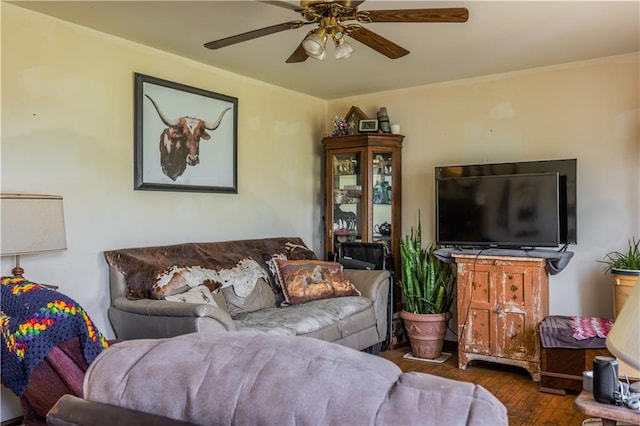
[(511, 385)]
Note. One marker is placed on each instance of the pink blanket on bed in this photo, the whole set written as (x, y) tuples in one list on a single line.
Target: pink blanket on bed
[(588, 327)]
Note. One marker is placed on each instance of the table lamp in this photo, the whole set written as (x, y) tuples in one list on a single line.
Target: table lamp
[(623, 340), (30, 224)]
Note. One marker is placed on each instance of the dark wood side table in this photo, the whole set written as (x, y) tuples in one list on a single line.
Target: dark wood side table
[(609, 413)]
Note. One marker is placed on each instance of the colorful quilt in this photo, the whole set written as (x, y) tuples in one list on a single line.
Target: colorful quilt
[(34, 320)]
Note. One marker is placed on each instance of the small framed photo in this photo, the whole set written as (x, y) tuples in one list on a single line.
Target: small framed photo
[(368, 125)]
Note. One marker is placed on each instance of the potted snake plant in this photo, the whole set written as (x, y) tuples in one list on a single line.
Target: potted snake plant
[(625, 270), (427, 286)]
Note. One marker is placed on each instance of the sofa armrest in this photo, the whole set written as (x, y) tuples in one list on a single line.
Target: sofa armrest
[(73, 411), (177, 310), (372, 284)]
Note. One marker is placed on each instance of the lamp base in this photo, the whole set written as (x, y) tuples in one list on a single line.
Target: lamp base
[(17, 271)]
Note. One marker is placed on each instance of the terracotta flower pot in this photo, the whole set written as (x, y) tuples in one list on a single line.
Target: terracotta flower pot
[(426, 332)]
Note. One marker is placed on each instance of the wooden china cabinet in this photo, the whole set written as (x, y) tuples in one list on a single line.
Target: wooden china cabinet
[(363, 191)]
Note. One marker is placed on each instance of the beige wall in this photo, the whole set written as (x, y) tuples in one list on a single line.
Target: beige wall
[(587, 110), (67, 128)]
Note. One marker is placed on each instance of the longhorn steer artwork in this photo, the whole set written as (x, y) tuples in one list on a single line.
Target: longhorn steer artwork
[(180, 141)]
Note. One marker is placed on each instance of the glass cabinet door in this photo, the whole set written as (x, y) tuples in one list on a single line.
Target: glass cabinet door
[(363, 195), (382, 197), (347, 198)]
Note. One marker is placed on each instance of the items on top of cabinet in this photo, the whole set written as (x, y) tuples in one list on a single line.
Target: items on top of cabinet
[(352, 118), (368, 126), (340, 126), (357, 122), (383, 120)]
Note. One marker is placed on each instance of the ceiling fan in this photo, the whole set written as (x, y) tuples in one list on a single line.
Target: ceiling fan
[(337, 19)]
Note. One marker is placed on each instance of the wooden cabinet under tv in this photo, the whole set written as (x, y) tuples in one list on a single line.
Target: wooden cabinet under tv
[(501, 302)]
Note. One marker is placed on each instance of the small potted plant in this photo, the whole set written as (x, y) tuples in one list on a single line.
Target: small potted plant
[(625, 269), (427, 295)]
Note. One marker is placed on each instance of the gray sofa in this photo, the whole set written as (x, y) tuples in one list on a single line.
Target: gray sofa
[(152, 294), (251, 379)]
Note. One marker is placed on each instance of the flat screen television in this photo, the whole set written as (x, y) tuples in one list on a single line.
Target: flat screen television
[(567, 188), (520, 210)]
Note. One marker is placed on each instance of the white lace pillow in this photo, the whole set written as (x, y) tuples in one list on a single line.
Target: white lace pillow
[(199, 294)]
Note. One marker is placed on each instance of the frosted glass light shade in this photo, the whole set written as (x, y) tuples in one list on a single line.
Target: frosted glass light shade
[(314, 44), (343, 49), (320, 57)]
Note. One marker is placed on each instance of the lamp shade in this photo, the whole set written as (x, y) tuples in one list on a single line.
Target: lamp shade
[(31, 224), (623, 340)]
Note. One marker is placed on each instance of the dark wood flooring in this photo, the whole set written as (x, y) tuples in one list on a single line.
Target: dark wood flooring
[(511, 385)]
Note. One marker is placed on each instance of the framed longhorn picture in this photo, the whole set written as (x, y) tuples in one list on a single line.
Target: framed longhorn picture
[(185, 138)]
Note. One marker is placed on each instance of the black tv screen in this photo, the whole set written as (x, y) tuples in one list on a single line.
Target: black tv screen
[(567, 173), (517, 210)]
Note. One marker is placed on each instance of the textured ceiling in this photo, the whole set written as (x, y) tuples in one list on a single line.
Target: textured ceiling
[(500, 36)]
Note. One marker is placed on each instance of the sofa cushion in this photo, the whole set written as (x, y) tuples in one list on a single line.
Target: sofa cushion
[(260, 297), (305, 280), (323, 316)]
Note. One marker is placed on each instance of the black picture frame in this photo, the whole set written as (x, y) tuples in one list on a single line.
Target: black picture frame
[(186, 138), (368, 125)]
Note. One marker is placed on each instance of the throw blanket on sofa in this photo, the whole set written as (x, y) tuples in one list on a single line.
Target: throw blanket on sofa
[(156, 272), (35, 319)]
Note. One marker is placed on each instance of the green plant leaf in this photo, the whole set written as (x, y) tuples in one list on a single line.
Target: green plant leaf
[(624, 260), (427, 283)]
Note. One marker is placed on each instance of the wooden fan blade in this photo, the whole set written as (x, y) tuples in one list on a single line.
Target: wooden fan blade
[(459, 14), (298, 55), (377, 42), (250, 35)]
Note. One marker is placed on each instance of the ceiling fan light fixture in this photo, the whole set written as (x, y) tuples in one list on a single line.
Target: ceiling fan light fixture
[(314, 44), (343, 49), (336, 19), (321, 56)]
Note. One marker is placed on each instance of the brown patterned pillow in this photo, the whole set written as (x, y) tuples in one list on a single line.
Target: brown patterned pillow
[(305, 280)]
